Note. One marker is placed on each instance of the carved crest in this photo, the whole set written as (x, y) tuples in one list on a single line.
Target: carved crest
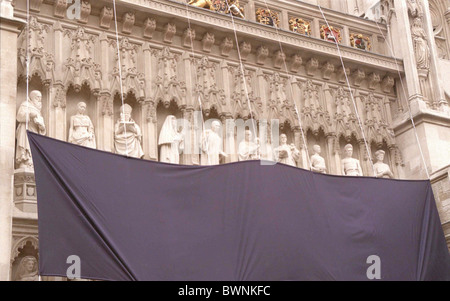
[(267, 17), (331, 34), (360, 41), (300, 26)]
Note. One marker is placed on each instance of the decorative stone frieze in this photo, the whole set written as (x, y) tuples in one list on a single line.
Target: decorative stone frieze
[(60, 8), (279, 59), (208, 41), (387, 84), (327, 70), (169, 31), (106, 15), (207, 89), (296, 63), (341, 74), (226, 46), (128, 20), (188, 37), (167, 85), (261, 54), (35, 5), (245, 48), (358, 76), (311, 66), (85, 11), (374, 80), (149, 27), (80, 66)]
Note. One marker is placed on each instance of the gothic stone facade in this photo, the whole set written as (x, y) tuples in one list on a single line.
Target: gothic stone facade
[(394, 69)]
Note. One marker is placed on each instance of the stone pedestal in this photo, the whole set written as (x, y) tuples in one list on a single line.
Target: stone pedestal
[(25, 197), (9, 30)]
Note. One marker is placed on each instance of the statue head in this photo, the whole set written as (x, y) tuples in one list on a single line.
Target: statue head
[(29, 263), (36, 99), (125, 112), (348, 150), (27, 268), (379, 154), (215, 126), (81, 107), (248, 135), (283, 139), (316, 149)]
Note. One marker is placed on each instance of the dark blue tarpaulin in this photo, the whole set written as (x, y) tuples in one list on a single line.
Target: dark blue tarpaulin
[(131, 219)]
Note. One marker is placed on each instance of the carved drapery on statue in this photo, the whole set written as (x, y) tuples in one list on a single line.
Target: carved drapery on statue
[(421, 47), (81, 129), (127, 134), (29, 114), (170, 141)]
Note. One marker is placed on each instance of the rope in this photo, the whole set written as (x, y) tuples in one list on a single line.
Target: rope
[(242, 70), (120, 72), (27, 60), (407, 100), (351, 94), (292, 94), (196, 81)]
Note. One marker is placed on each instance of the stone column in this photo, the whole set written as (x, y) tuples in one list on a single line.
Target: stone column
[(9, 31), (403, 40), (345, 36), (334, 162), (364, 159), (105, 122), (193, 119), (298, 142), (229, 141), (316, 28), (150, 131), (437, 90)]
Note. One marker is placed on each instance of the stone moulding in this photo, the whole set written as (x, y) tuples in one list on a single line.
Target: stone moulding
[(258, 31)]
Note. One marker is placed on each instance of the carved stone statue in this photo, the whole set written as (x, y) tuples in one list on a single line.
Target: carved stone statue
[(170, 141), (81, 129), (420, 42), (350, 166), (248, 150), (28, 111), (286, 154), (382, 170), (27, 269), (317, 161), (212, 145), (127, 134)]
